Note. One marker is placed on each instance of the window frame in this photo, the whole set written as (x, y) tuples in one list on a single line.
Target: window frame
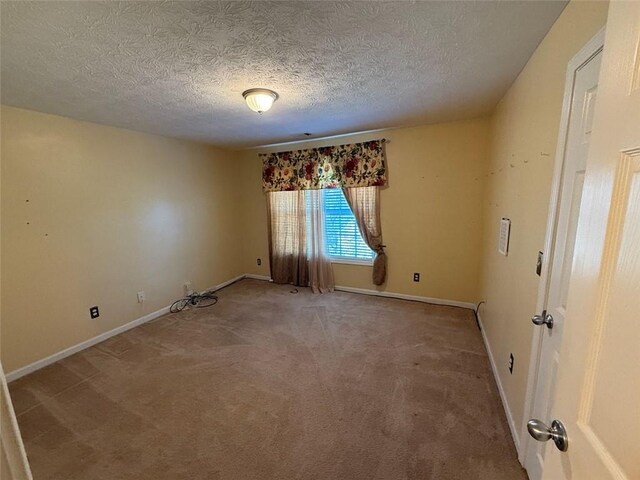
[(364, 262), (351, 261)]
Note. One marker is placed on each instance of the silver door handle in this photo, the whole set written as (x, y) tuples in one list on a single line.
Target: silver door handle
[(542, 433), (544, 319)]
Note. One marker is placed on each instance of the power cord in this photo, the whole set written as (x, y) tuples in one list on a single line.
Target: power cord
[(475, 312)]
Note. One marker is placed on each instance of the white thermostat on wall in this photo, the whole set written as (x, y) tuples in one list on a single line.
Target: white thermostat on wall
[(503, 242)]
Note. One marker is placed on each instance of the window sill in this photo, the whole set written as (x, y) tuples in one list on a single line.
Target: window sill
[(352, 261)]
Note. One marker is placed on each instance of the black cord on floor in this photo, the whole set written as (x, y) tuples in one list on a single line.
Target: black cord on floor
[(475, 312)]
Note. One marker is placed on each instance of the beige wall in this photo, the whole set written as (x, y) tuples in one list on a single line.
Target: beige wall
[(524, 135), (111, 212), (431, 210), (93, 214)]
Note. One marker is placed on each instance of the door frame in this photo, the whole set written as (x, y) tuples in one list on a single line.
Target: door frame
[(590, 49), (11, 445)]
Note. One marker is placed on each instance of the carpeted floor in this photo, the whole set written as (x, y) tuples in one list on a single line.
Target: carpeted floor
[(273, 385)]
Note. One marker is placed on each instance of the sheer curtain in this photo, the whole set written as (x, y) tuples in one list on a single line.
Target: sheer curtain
[(296, 240), (288, 237), (365, 205), (320, 270)]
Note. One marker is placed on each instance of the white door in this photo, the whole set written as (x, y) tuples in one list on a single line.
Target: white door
[(580, 97), (597, 394), (13, 459)]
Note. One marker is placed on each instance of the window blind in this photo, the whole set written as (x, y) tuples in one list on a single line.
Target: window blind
[(342, 237)]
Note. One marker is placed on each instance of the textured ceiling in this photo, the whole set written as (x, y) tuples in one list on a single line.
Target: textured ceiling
[(179, 68)]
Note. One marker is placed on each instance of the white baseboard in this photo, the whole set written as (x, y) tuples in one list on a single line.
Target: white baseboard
[(257, 277), (37, 365), (402, 296), (503, 397), (224, 284), (21, 372)]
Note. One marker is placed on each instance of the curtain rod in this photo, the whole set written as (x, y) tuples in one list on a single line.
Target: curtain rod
[(382, 140)]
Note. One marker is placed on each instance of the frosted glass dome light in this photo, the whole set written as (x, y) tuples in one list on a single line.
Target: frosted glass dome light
[(259, 99)]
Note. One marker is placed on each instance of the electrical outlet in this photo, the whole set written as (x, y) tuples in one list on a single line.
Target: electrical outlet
[(141, 297), (188, 289), (259, 262), (94, 312), (511, 363), (416, 277)]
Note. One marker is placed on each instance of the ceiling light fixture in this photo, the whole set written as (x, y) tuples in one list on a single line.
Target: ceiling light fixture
[(259, 99)]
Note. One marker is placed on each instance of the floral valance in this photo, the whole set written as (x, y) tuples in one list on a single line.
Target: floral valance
[(353, 165)]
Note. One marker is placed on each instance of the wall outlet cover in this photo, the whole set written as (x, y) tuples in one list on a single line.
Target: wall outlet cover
[(416, 277), (141, 297), (94, 312)]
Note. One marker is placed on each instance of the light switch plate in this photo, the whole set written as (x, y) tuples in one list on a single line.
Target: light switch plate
[(505, 231)]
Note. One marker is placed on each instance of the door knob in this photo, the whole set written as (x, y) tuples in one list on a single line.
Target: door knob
[(544, 319), (542, 433)]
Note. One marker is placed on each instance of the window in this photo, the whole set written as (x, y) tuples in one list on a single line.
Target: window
[(342, 237)]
